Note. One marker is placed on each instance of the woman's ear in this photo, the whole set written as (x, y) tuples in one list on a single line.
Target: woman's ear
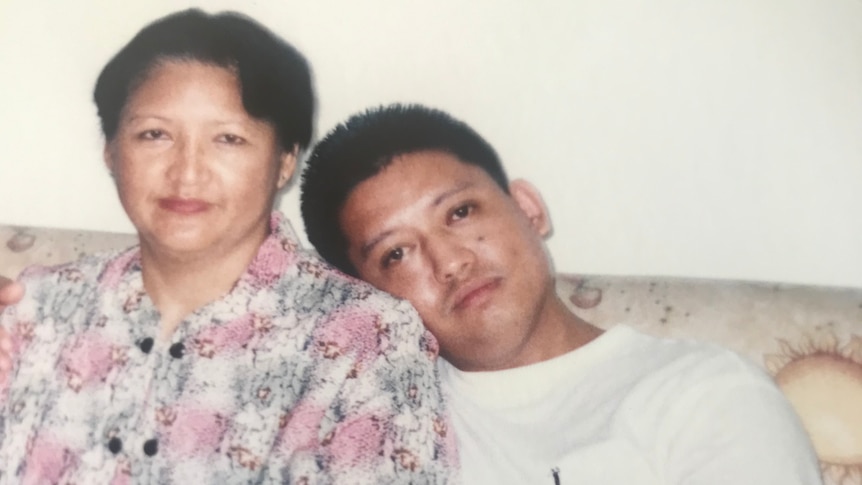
[(109, 156), (531, 204), (287, 165)]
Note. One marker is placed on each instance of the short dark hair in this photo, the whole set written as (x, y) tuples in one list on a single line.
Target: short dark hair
[(275, 79), (361, 147)]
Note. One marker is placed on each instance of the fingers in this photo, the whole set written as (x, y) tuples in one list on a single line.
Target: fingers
[(5, 342), (5, 352), (11, 292)]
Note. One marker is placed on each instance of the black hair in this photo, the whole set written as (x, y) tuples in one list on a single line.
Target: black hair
[(275, 79), (361, 147)]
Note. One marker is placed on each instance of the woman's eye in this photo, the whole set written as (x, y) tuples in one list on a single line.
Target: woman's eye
[(232, 139), (393, 256), (152, 134)]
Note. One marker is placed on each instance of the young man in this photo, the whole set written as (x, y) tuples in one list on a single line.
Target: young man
[(419, 205)]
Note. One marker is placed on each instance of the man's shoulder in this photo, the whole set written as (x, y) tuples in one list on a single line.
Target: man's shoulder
[(667, 350), (678, 366)]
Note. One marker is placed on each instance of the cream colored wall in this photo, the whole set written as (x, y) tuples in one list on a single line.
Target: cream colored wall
[(717, 138)]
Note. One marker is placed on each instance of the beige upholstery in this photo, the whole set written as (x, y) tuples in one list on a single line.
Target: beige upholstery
[(809, 338)]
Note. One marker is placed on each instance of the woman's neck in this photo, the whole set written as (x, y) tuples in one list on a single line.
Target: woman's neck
[(179, 284)]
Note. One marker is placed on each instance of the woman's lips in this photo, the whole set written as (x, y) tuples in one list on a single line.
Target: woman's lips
[(184, 206)]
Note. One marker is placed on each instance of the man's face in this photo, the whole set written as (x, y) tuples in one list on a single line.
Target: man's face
[(443, 235)]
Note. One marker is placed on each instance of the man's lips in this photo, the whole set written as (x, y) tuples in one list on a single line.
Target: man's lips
[(183, 206), (475, 292)]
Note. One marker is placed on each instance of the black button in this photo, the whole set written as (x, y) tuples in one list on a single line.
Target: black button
[(146, 345), (177, 350), (151, 447), (115, 445)]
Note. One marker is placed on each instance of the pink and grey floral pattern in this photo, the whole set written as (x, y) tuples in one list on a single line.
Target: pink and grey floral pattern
[(298, 375)]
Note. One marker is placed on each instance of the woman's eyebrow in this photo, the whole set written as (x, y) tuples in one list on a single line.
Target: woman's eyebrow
[(146, 116)]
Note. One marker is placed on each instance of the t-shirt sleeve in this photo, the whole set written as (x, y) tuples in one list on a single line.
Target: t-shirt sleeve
[(737, 427)]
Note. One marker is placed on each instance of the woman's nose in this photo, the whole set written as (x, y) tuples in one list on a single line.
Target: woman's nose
[(188, 164)]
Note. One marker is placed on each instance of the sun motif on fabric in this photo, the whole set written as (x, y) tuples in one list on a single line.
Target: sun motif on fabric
[(822, 378)]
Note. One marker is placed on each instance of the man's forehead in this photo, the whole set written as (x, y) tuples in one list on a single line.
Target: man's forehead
[(425, 178), (437, 166), (399, 194)]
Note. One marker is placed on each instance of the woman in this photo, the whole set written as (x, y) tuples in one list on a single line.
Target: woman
[(216, 351)]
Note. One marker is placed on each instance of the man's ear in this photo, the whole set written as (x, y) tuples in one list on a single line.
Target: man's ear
[(531, 204), (108, 157), (287, 165)]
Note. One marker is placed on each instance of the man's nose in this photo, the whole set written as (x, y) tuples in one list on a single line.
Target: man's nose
[(451, 258)]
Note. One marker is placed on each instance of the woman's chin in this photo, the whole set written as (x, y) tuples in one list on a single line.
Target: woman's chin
[(176, 242)]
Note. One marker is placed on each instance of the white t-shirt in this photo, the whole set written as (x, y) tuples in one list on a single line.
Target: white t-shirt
[(629, 409)]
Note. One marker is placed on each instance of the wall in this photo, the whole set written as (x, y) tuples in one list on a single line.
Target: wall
[(719, 138)]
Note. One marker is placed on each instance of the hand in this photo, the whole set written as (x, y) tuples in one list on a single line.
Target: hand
[(11, 292), (5, 353)]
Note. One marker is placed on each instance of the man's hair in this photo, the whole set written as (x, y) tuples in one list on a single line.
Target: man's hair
[(274, 78), (365, 144)]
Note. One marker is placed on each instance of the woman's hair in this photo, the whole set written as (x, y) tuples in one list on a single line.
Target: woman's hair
[(274, 78), (365, 144)]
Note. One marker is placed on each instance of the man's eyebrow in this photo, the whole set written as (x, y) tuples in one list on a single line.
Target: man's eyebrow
[(453, 191), (369, 246)]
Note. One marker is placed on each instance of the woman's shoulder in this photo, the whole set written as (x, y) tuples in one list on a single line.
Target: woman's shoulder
[(282, 257), (87, 269), (324, 278), (352, 313)]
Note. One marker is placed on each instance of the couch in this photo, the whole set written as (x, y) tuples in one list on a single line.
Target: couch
[(808, 338)]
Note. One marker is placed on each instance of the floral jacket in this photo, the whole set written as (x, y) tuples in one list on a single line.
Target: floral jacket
[(299, 375)]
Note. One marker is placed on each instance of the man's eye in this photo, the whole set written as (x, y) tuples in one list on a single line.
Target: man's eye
[(461, 212), (231, 139), (392, 257)]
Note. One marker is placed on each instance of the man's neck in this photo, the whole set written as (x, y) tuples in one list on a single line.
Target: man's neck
[(559, 332)]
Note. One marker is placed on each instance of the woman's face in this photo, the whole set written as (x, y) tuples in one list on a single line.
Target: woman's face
[(196, 174)]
